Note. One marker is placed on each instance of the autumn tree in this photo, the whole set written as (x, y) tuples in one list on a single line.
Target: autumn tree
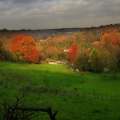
[(1, 49), (1, 44), (115, 38), (72, 53), (51, 52), (95, 61), (25, 48), (62, 55), (82, 62), (5, 54), (112, 38), (110, 42)]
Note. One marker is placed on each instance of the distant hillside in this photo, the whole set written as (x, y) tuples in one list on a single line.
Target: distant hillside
[(44, 33)]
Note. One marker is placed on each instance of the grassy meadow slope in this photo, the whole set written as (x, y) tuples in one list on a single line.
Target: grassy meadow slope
[(76, 96)]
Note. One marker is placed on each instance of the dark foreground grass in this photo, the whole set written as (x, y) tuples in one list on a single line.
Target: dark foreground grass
[(76, 96)]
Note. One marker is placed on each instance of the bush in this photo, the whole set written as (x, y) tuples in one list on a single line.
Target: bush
[(82, 62)]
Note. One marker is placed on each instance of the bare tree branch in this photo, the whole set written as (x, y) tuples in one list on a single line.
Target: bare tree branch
[(17, 111)]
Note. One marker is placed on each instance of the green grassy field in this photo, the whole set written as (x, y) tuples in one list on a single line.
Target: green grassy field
[(76, 96)]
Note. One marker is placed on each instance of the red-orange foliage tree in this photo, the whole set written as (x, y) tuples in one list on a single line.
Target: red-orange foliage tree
[(24, 46), (72, 53), (115, 38)]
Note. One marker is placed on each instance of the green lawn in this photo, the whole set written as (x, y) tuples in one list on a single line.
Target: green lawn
[(76, 96)]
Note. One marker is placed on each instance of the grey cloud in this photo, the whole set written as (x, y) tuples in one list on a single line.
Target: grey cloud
[(24, 1), (37, 14), (4, 0)]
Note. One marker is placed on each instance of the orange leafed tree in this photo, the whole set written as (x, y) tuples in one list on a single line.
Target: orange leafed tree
[(105, 39), (24, 46), (115, 38), (72, 53)]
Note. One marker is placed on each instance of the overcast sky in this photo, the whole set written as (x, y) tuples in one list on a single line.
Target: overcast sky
[(43, 14)]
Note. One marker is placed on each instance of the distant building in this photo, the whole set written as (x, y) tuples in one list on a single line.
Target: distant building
[(52, 61), (105, 69), (41, 40), (66, 50), (55, 62)]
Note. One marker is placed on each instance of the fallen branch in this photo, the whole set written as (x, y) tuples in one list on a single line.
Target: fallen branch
[(47, 110)]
